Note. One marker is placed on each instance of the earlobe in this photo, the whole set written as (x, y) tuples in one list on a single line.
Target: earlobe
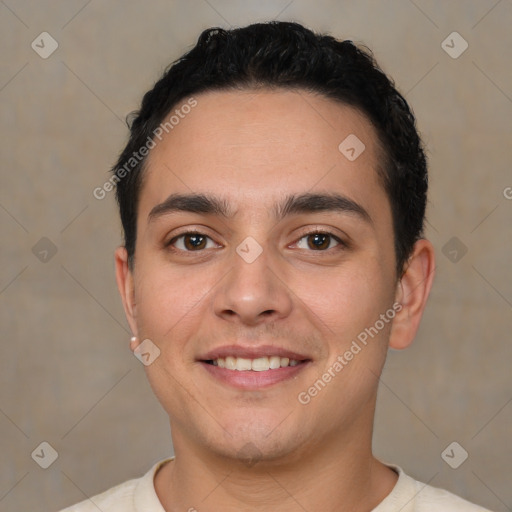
[(125, 285), (412, 293)]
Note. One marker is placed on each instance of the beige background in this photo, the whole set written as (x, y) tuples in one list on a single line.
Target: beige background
[(67, 376)]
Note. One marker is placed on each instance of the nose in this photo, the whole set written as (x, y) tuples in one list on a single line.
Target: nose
[(253, 293)]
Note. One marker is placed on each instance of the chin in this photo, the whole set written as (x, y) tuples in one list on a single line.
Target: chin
[(251, 452), (256, 441)]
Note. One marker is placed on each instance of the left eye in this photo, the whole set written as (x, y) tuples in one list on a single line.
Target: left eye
[(318, 241)]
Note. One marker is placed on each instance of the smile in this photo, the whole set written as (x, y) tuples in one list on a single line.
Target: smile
[(259, 364), (253, 374)]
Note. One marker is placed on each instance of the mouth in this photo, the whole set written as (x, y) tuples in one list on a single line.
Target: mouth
[(260, 364), (253, 368)]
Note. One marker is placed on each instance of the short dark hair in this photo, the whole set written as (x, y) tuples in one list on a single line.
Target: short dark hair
[(289, 56)]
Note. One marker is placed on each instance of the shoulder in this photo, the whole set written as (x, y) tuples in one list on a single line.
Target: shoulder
[(433, 499), (129, 496), (425, 498), (116, 499)]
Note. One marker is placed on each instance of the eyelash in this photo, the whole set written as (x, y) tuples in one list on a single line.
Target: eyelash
[(341, 243)]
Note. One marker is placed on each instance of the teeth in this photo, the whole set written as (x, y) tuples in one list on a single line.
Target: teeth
[(274, 362), (230, 363), (259, 364), (243, 364)]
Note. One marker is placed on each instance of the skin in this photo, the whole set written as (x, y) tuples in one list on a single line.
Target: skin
[(254, 148)]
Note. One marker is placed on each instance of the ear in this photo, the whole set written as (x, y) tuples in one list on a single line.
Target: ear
[(125, 285), (412, 292)]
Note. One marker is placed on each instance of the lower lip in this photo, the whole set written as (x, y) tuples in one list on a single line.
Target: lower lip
[(251, 380)]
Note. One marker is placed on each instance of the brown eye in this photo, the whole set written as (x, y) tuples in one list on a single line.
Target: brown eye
[(319, 241), (190, 242), (193, 242)]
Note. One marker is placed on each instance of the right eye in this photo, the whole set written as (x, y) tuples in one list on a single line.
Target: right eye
[(191, 241)]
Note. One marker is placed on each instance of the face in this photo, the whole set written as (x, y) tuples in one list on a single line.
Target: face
[(288, 258)]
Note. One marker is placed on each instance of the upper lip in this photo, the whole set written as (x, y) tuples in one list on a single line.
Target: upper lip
[(251, 352)]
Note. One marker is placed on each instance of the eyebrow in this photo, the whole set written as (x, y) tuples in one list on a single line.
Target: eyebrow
[(293, 204)]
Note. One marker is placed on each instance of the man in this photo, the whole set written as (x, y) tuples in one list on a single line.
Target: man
[(272, 196)]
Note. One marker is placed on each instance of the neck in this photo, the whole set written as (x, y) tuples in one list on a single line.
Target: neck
[(338, 474)]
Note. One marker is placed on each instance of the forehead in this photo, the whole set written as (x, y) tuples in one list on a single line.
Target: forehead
[(249, 146)]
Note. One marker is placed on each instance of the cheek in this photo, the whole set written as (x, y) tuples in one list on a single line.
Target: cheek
[(347, 298), (169, 299)]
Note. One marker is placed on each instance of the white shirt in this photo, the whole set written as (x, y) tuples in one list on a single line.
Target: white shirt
[(408, 495)]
